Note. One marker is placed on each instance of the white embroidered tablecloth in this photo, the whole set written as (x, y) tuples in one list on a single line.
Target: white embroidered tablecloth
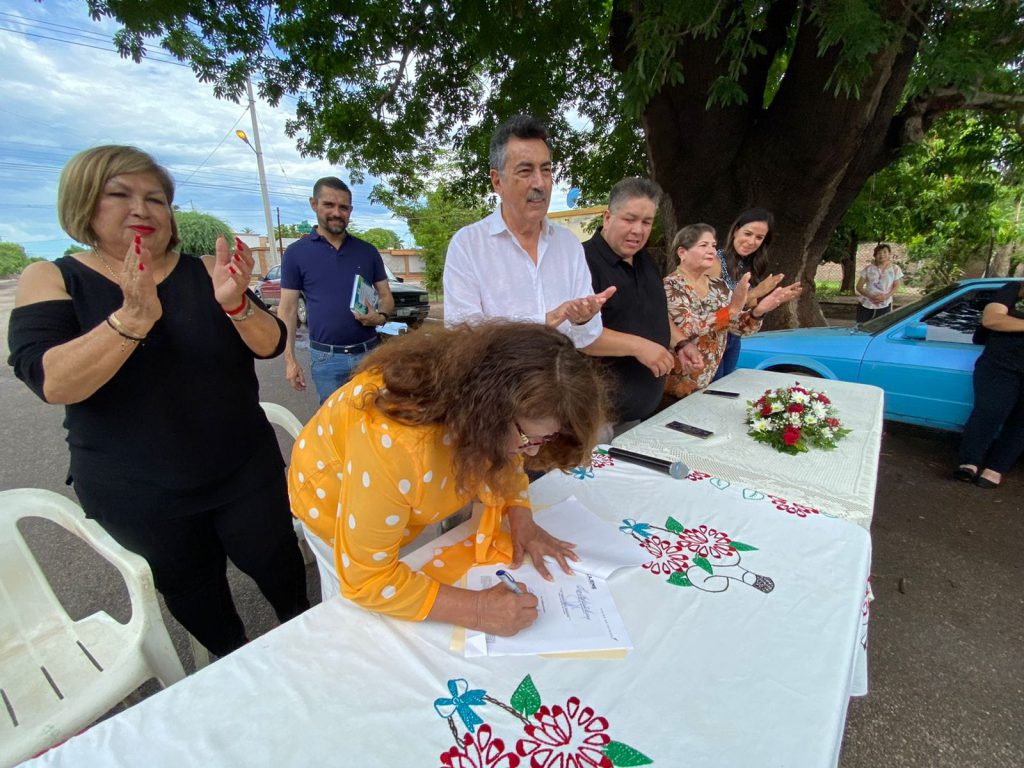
[(840, 482), (748, 624)]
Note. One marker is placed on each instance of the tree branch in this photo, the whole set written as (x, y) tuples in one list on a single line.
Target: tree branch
[(920, 113), (399, 75)]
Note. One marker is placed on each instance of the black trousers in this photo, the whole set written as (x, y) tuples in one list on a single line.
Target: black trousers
[(188, 557), (998, 402), (866, 313)]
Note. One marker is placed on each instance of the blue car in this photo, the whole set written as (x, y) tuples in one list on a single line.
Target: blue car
[(922, 354)]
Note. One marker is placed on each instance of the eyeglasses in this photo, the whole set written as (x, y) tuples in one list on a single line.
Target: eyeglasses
[(525, 441)]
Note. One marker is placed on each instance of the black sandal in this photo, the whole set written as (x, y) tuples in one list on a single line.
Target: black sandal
[(965, 475), (984, 482)]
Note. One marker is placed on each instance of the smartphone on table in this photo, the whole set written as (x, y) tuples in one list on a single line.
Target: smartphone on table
[(689, 429), (722, 393)]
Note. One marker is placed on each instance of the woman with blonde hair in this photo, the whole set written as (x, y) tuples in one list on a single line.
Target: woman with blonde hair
[(151, 353), (429, 422)]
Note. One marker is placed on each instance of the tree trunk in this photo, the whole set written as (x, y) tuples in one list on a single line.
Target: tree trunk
[(849, 265), (805, 156)]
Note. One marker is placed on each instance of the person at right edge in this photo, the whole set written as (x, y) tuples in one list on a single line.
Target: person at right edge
[(993, 438)]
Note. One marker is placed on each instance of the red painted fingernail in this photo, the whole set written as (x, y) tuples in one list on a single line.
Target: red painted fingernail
[(138, 239), (137, 248), (236, 257), (233, 272), (142, 267), (239, 243)]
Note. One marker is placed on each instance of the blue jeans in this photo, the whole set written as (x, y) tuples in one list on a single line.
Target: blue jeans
[(330, 370), (730, 357)]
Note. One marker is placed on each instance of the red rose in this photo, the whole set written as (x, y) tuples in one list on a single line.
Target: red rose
[(823, 400), (798, 389), (795, 408), (832, 422), (791, 435), (766, 410)]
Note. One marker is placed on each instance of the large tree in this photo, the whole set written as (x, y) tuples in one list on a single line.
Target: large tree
[(727, 103)]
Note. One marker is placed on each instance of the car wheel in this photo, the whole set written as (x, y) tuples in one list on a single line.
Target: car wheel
[(302, 310), (797, 369), (258, 292)]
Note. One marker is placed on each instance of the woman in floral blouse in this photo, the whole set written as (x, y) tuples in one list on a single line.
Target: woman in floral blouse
[(705, 310)]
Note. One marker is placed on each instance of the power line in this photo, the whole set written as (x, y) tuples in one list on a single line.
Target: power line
[(48, 24), (230, 130), (86, 45)]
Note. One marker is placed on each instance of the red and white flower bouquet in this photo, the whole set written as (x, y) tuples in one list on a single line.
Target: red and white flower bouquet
[(793, 419)]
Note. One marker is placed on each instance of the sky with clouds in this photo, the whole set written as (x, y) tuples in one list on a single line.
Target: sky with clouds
[(62, 96)]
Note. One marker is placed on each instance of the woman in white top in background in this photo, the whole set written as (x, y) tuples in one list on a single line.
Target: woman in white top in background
[(878, 281)]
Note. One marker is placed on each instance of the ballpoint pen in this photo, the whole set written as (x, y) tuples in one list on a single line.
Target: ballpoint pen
[(509, 581)]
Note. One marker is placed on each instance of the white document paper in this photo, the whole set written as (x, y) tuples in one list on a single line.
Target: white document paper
[(576, 613), (600, 545)]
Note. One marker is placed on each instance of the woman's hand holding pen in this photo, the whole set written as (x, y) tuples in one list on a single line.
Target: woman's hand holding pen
[(500, 611)]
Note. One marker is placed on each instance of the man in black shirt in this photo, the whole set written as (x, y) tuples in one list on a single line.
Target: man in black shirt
[(616, 256)]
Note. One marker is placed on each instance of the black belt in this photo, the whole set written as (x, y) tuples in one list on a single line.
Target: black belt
[(351, 349)]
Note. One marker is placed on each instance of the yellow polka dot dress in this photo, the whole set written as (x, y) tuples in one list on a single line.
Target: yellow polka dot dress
[(367, 485)]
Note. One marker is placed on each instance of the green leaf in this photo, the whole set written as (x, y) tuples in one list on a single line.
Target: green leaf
[(526, 699), (674, 525), (703, 564), (623, 754), (739, 546), (678, 578)]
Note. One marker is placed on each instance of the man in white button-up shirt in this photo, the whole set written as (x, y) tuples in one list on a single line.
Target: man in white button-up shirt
[(517, 265)]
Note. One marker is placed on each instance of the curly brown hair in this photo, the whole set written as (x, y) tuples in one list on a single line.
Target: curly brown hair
[(477, 380)]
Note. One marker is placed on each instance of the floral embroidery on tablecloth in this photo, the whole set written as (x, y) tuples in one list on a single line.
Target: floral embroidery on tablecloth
[(599, 459), (696, 476), (792, 507), (569, 735), (715, 560)]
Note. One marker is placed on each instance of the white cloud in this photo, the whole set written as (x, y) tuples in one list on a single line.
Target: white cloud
[(60, 98)]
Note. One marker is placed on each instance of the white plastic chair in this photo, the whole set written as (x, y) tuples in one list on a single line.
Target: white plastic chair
[(57, 676)]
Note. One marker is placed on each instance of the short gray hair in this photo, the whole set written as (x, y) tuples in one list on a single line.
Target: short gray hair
[(519, 127), (632, 188)]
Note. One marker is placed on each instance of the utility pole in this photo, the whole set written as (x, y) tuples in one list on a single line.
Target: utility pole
[(263, 175)]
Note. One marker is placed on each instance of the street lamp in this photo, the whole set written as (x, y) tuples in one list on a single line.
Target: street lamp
[(263, 175)]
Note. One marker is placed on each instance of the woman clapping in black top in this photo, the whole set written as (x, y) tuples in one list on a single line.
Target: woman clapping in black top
[(151, 353)]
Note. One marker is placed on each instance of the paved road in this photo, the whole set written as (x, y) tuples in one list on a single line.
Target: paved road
[(947, 626)]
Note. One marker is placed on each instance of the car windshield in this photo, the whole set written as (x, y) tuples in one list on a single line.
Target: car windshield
[(390, 274), (879, 324)]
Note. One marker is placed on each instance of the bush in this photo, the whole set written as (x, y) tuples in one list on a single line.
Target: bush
[(13, 259), (199, 232)]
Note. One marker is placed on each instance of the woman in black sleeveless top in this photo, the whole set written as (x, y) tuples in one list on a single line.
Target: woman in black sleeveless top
[(151, 353)]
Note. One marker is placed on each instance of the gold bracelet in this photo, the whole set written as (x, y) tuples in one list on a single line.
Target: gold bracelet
[(114, 322)]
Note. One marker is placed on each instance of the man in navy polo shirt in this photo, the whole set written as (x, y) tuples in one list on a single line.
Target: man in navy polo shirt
[(322, 266)]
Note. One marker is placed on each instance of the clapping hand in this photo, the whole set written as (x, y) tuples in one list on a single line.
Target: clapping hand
[(765, 287), (232, 270), (690, 359), (778, 297), (141, 308), (579, 311)]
